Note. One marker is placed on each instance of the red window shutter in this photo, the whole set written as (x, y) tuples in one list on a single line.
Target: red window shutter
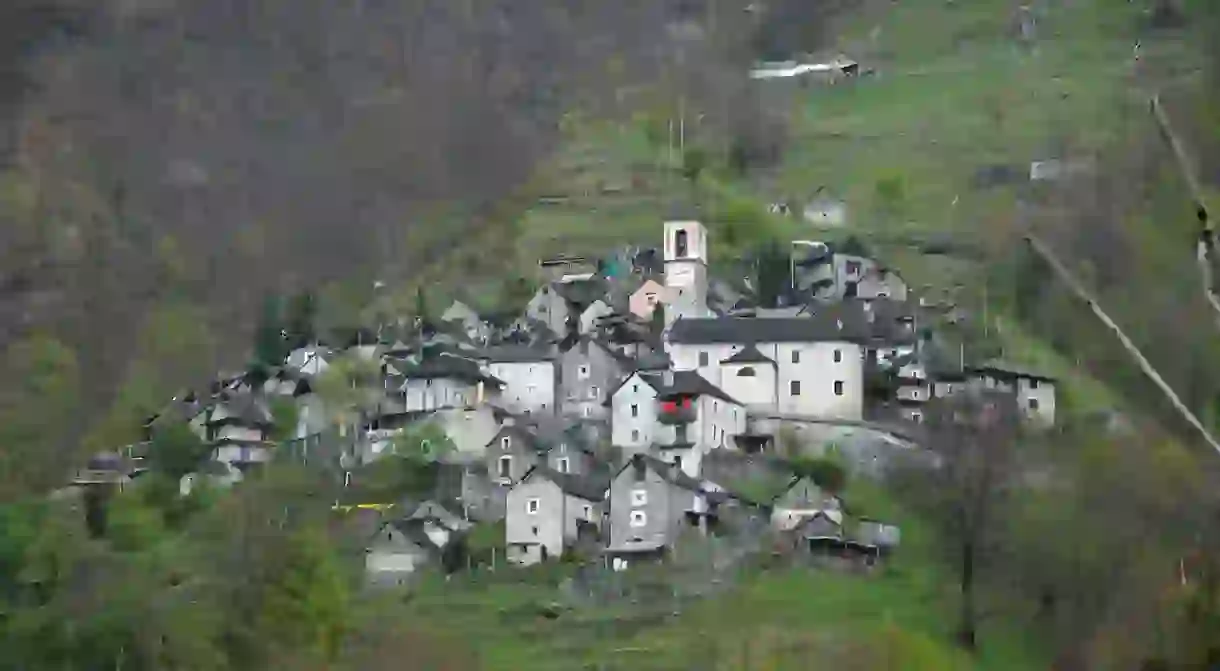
[(669, 406)]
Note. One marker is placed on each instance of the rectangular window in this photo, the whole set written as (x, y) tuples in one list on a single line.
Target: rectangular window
[(563, 465), (1033, 384), (1033, 404), (505, 443), (853, 268), (639, 497), (702, 359), (838, 355), (917, 417), (794, 388), (635, 435), (594, 392), (678, 461), (584, 411), (635, 410), (589, 513), (796, 356), (506, 467), (638, 519), (583, 372), (531, 506), (838, 387)]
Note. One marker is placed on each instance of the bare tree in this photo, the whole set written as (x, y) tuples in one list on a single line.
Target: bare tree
[(974, 435)]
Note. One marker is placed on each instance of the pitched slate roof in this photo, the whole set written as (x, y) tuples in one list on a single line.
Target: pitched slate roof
[(829, 324), (651, 379), (749, 354), (516, 354), (1008, 368), (690, 383), (447, 366), (245, 409), (674, 476), (587, 488)]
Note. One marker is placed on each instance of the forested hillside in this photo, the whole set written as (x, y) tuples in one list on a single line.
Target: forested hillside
[(170, 166)]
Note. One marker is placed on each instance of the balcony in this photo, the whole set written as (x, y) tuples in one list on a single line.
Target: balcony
[(676, 411)]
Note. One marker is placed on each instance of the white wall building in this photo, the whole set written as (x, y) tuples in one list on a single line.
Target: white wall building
[(818, 368)]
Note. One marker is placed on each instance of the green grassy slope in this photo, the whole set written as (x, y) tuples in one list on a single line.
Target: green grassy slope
[(954, 92)]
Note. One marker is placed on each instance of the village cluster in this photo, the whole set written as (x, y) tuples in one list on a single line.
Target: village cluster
[(614, 414)]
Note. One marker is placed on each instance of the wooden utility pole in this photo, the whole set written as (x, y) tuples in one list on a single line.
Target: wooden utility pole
[(1083, 294), (1205, 245)]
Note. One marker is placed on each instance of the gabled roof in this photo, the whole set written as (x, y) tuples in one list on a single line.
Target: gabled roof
[(651, 379), (690, 383), (587, 488), (520, 433), (244, 409), (673, 475), (749, 354), (829, 324), (441, 366), (1008, 369), (431, 510), (516, 354)]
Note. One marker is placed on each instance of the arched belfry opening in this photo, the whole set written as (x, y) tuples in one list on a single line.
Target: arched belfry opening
[(680, 244)]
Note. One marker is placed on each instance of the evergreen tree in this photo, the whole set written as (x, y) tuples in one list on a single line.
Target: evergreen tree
[(300, 320), (771, 267), (270, 346)]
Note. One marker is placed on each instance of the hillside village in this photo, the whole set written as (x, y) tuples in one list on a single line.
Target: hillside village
[(618, 411)]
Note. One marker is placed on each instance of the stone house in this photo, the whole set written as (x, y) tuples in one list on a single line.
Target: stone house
[(650, 503), (238, 428), (530, 377), (549, 308), (802, 500), (1034, 391), (694, 418), (589, 368), (547, 511), (633, 411)]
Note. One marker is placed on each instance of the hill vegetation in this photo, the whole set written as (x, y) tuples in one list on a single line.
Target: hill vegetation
[(152, 202)]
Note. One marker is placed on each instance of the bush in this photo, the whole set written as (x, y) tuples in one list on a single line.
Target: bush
[(827, 473)]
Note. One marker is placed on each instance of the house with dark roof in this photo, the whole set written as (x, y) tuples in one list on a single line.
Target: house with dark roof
[(651, 503), (588, 368), (694, 417), (633, 409), (238, 427), (403, 546), (810, 365), (442, 380), (1034, 390), (530, 377), (548, 511)]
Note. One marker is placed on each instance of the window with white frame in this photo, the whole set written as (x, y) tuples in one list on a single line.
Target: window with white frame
[(638, 518), (506, 442), (589, 513), (563, 465), (594, 391), (639, 497), (635, 410), (531, 506), (838, 355), (506, 467), (583, 372), (838, 387), (635, 435)]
